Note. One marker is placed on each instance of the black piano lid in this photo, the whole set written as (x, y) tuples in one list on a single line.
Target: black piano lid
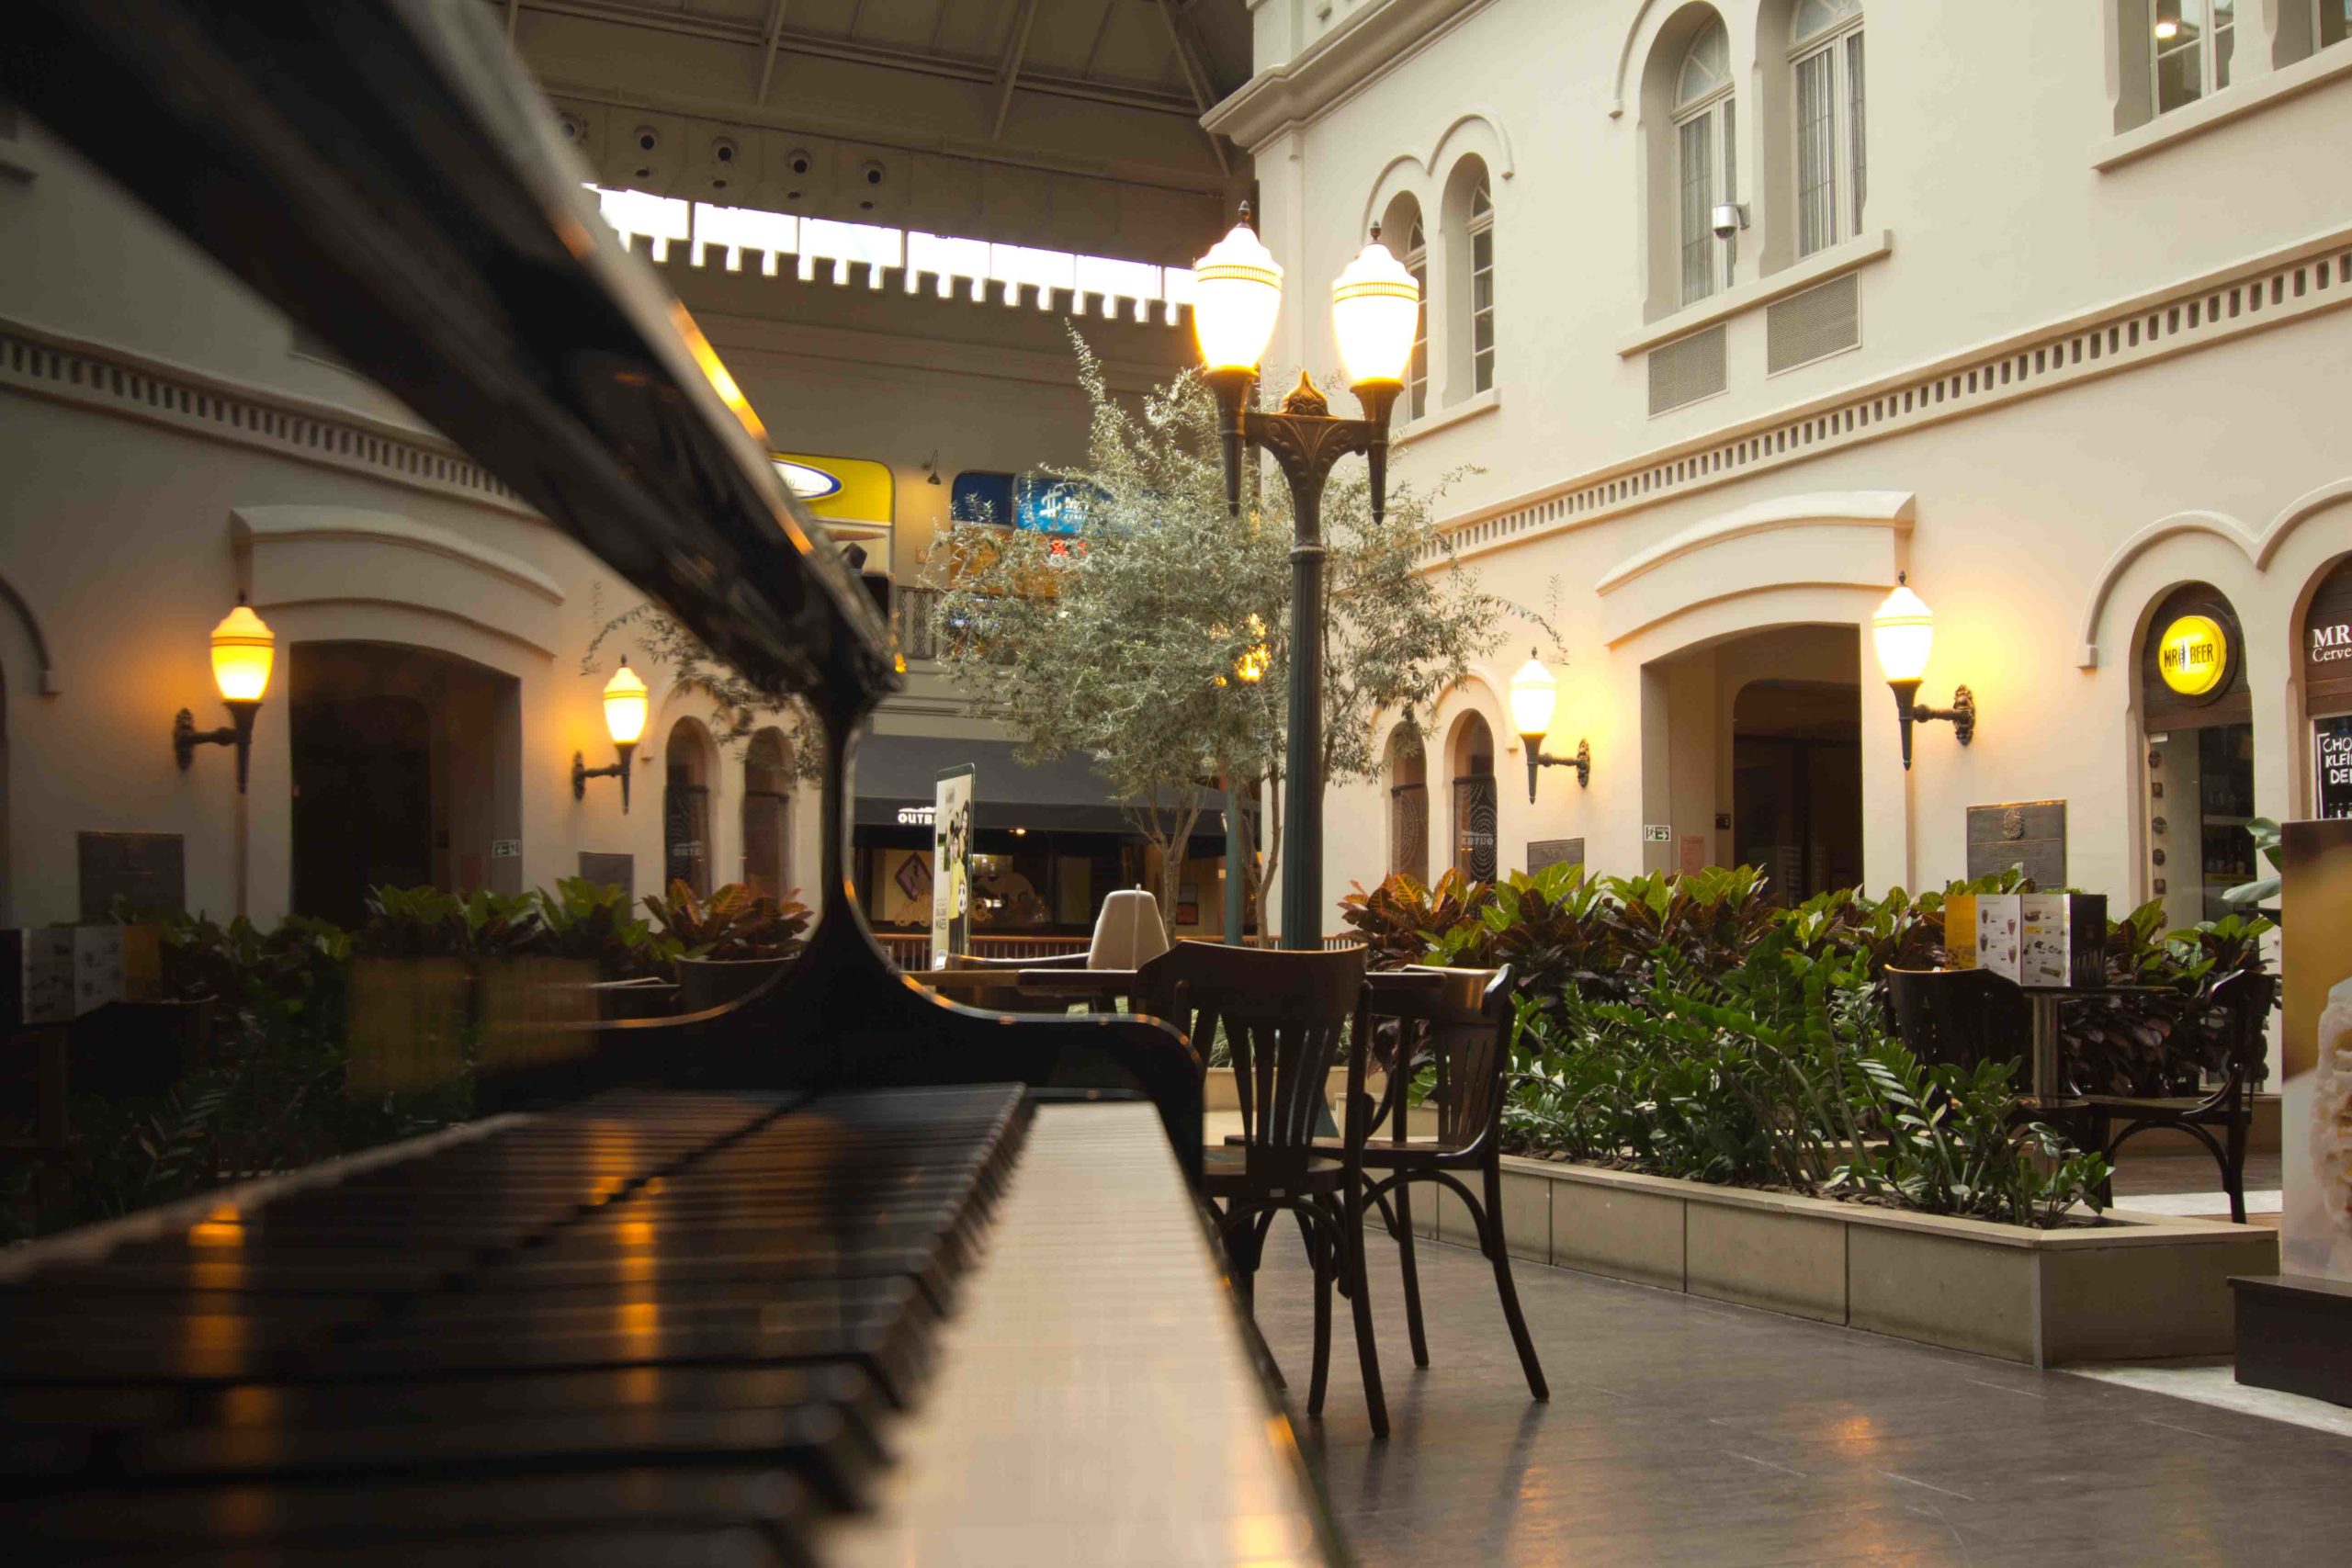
[(386, 174)]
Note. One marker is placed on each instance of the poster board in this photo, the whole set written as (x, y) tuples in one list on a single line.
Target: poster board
[(951, 860), (2316, 1109)]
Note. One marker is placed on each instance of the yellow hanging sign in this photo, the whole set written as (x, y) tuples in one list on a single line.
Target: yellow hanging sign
[(845, 490), (2193, 654)]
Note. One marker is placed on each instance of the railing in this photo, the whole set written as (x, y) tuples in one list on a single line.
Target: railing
[(911, 950)]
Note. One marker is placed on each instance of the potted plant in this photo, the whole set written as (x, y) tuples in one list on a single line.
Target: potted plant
[(731, 942), (590, 921)]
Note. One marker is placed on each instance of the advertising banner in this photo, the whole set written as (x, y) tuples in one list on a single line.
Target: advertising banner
[(951, 861), (2315, 1108)]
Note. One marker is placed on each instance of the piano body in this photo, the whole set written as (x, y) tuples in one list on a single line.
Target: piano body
[(833, 1274)]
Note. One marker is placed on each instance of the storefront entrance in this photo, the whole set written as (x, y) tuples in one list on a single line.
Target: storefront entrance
[(406, 775), (1797, 784), (2197, 714)]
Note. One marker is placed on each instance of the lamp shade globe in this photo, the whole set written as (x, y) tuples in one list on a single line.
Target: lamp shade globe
[(1237, 293), (244, 649), (1376, 308), (1535, 694), (624, 706), (1905, 631)]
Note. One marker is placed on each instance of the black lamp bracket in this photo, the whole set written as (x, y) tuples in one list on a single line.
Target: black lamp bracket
[(1961, 715), (238, 732), (1539, 757), (581, 772)]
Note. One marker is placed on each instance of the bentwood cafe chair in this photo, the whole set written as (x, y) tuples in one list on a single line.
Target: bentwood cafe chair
[(1284, 1016)]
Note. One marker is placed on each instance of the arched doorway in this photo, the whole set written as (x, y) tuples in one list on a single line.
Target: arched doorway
[(406, 765), (689, 762), (1408, 803), (2197, 714), (1475, 801), (767, 814)]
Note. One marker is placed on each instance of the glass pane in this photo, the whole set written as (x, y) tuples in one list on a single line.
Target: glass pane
[(2178, 79), (1698, 197), (1482, 370), (1481, 201), (1482, 250), (1857, 157), (1816, 153), (2335, 21), (1819, 16), (1482, 291), (1481, 331), (1705, 68), (2225, 37)]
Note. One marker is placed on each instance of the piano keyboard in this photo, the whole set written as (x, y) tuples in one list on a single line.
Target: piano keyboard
[(665, 1327)]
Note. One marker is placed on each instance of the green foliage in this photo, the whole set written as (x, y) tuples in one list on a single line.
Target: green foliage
[(591, 920), (2249, 894), (737, 921), (425, 922), (1780, 1072), (1401, 921)]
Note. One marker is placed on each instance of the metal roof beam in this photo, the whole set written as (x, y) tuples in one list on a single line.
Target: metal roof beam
[(1009, 74)]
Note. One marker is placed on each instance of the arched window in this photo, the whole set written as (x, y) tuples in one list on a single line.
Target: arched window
[(767, 814), (1475, 801), (1825, 57), (1408, 803), (1468, 340), (1402, 231), (1417, 261), (685, 807), (1706, 160)]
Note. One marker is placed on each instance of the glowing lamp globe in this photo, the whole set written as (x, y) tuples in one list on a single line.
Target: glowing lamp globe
[(1904, 630), (1376, 307), (1535, 694), (1236, 292), (624, 706), (242, 651)]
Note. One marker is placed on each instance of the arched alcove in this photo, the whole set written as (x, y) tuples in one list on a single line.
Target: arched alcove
[(1470, 754), (689, 763), (1409, 802), (767, 813)]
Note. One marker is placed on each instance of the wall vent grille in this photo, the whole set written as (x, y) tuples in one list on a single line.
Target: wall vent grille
[(1687, 370), (1813, 324)]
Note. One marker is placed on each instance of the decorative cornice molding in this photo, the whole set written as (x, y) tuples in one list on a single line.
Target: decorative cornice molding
[(1327, 73), (289, 525), (2294, 282), (1890, 509), (109, 379)]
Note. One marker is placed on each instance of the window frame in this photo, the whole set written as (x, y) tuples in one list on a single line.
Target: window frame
[(1716, 109), (2211, 69), (1480, 226), (1416, 372), (1840, 46)]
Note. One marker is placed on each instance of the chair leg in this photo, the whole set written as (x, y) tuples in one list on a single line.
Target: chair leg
[(2233, 1167), (1499, 1253), (1319, 1247), (1349, 1258), (1404, 1197)]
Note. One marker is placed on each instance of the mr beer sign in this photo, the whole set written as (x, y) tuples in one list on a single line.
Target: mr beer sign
[(2193, 654)]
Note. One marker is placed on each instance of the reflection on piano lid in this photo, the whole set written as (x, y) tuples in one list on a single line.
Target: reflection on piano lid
[(387, 175)]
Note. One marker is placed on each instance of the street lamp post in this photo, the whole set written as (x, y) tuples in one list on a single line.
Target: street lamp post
[(1376, 307)]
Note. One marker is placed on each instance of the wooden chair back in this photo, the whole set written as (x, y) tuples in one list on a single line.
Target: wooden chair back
[(1284, 1016), (1962, 1017), (1463, 1028)]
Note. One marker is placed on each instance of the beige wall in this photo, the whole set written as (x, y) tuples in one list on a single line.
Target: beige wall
[(2039, 504)]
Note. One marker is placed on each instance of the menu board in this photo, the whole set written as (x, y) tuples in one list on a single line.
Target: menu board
[(951, 858), (2332, 758)]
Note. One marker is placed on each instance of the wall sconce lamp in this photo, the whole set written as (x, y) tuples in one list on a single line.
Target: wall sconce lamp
[(1904, 630), (931, 468), (625, 709), (244, 649), (1535, 694)]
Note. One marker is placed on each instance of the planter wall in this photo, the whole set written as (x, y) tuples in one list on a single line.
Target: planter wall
[(2140, 1287)]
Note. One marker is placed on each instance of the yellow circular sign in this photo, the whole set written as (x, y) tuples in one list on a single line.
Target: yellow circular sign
[(2193, 654)]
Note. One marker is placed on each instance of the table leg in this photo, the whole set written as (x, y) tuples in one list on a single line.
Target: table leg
[(2048, 1085)]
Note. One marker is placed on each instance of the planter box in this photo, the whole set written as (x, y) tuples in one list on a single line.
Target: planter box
[(2138, 1287), (706, 983)]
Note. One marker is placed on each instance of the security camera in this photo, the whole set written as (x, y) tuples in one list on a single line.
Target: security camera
[(1730, 217)]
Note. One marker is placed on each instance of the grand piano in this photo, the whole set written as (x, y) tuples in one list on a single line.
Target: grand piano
[(842, 1273)]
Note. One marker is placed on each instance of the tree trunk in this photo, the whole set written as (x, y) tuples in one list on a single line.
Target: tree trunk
[(1264, 873)]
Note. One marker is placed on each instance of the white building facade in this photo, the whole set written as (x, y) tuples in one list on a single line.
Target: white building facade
[(1736, 312)]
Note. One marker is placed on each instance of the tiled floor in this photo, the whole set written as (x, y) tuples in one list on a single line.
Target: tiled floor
[(1682, 1431)]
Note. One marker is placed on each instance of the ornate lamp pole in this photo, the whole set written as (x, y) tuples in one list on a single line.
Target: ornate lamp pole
[(1376, 307)]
